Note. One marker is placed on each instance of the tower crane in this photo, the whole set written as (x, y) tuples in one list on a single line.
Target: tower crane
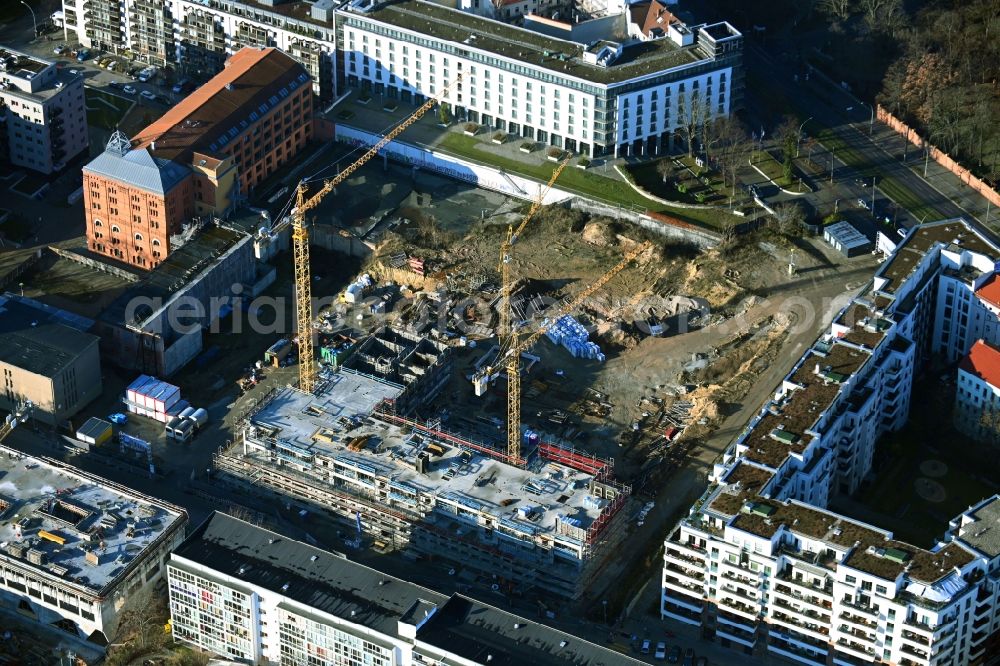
[(300, 239), (506, 280), (510, 357)]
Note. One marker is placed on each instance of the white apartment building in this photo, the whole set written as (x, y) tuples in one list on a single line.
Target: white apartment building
[(75, 549), (43, 111), (198, 35), (598, 99), (257, 597), (760, 561), (977, 396)]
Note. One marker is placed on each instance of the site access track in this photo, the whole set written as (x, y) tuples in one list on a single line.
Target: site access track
[(856, 153)]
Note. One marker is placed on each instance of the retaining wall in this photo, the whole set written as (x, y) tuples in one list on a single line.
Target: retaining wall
[(454, 167)]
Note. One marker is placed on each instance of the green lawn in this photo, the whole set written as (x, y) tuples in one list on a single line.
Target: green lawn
[(590, 182), (105, 110)]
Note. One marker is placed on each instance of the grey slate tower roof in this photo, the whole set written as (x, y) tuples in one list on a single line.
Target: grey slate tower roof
[(136, 167)]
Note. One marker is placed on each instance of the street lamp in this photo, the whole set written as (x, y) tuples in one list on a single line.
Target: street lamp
[(871, 123), (34, 23), (798, 135)]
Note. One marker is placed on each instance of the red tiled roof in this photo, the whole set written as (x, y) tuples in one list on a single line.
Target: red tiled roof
[(983, 361), (990, 291), (249, 78), (650, 15)]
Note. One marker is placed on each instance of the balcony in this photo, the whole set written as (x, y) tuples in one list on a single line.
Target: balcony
[(856, 649), (806, 598), (858, 619), (854, 632), (682, 586), (695, 576), (744, 610), (682, 596), (867, 610), (677, 553), (815, 630), (906, 648), (916, 638), (732, 589), (743, 580)]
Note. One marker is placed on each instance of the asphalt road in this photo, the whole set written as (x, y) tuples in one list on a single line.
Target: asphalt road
[(881, 148)]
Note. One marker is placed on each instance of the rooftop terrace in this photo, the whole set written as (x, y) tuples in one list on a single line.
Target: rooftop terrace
[(867, 329), (334, 425), (870, 549), (912, 249), (531, 47), (783, 428), (21, 65), (78, 528)]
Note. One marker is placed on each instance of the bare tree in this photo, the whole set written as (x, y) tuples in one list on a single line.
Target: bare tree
[(142, 620), (838, 9), (730, 147), (690, 110), (789, 218), (664, 168)]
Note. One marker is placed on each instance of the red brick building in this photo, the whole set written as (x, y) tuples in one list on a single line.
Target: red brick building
[(199, 158)]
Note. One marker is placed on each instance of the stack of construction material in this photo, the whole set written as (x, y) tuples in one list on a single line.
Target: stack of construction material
[(569, 333), (357, 289), (151, 397)]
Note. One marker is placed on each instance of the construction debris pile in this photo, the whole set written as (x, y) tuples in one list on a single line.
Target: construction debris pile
[(569, 333)]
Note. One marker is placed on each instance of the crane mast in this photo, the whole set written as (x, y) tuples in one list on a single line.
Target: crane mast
[(511, 358), (300, 239)]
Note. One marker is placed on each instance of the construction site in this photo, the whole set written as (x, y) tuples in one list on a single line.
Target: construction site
[(505, 396)]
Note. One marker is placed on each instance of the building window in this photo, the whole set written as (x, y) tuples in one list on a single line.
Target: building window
[(115, 229), (138, 237)]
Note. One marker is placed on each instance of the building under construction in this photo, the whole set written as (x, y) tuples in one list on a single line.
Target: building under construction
[(546, 521)]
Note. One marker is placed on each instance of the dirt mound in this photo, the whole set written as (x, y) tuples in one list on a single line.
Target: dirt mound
[(598, 233)]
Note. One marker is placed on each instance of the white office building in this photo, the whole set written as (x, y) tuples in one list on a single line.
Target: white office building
[(257, 597), (43, 111), (759, 560)]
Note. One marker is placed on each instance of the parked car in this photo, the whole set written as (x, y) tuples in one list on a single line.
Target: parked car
[(74, 72), (59, 50), (863, 203), (645, 646), (82, 54), (675, 654), (689, 657), (661, 650), (147, 74), (147, 95), (182, 86), (114, 84), (128, 90), (112, 66)]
